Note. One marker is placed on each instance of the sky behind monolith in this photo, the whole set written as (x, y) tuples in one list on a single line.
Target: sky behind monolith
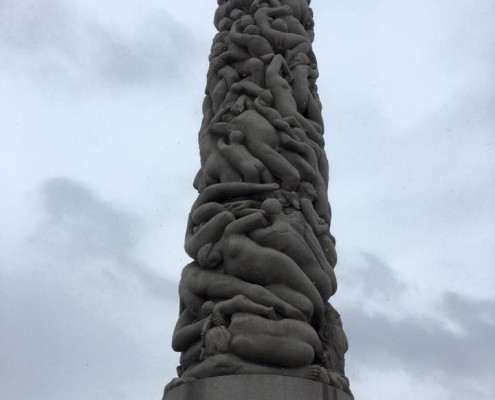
[(101, 105)]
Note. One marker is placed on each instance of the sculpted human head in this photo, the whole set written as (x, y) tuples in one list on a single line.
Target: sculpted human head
[(252, 30), (209, 256), (237, 136), (225, 24), (302, 58), (207, 308), (267, 97), (280, 25), (217, 49), (307, 189), (246, 20), (271, 206), (236, 14), (216, 341)]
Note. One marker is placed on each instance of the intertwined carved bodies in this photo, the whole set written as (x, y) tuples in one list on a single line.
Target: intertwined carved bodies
[(255, 298)]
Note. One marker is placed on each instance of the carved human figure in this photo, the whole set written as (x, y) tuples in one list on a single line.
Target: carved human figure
[(222, 311), (251, 169), (280, 98), (187, 338), (283, 98), (262, 140), (219, 79), (242, 257), (225, 7), (246, 34), (300, 9), (293, 139), (309, 174), (208, 217), (302, 71), (198, 285), (286, 343), (254, 300), (215, 168), (238, 57), (274, 28), (307, 196), (335, 345), (225, 191), (281, 235), (208, 232), (230, 364)]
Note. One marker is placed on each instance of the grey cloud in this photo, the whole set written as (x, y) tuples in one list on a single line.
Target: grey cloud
[(75, 314), (60, 337), (454, 348), (81, 229), (51, 40), (156, 54), (424, 345), (371, 275)]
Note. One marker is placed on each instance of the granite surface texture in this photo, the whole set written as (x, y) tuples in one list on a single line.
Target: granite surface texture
[(255, 387)]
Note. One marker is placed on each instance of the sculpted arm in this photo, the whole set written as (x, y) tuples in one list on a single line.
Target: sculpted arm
[(207, 284), (246, 224), (210, 232), (205, 212), (187, 331), (313, 73), (319, 226), (237, 37), (241, 303), (223, 191)]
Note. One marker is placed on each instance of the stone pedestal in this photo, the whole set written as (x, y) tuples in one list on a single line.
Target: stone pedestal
[(255, 387)]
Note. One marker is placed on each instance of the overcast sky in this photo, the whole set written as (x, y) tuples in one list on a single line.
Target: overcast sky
[(100, 108)]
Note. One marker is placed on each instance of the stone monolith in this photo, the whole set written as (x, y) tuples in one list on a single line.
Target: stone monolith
[(255, 316)]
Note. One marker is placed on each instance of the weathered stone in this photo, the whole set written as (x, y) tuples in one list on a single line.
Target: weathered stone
[(255, 387), (255, 299)]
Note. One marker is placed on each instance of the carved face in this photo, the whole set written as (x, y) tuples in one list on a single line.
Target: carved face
[(236, 14), (271, 206), (267, 97), (225, 24), (309, 190), (301, 59), (209, 256), (237, 137), (252, 30), (217, 49), (280, 25)]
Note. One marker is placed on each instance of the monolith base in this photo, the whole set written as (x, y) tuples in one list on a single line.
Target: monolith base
[(255, 387)]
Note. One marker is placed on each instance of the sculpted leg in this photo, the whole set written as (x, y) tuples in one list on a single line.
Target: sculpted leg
[(191, 356), (268, 349), (243, 304), (254, 67), (228, 364), (210, 232), (197, 284), (294, 298), (285, 342), (277, 165), (225, 191), (265, 266)]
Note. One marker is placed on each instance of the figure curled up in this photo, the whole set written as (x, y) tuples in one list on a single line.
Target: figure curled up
[(242, 257)]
